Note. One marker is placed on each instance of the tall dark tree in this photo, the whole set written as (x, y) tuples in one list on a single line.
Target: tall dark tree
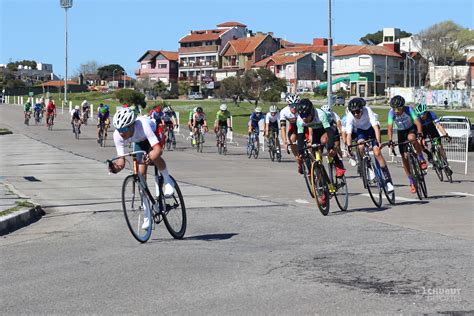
[(377, 37), (107, 71)]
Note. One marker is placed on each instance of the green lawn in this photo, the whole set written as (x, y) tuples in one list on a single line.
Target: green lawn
[(240, 111)]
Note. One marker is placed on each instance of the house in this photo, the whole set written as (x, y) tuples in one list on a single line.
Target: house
[(240, 54), (358, 65), (158, 65), (293, 67), (199, 53)]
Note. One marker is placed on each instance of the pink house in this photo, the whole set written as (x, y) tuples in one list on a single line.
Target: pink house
[(158, 65)]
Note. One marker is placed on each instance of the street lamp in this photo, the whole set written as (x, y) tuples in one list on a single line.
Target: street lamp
[(329, 60), (113, 77), (66, 4)]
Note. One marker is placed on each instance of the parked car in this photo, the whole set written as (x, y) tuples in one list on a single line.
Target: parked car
[(458, 132), (195, 96), (338, 100)]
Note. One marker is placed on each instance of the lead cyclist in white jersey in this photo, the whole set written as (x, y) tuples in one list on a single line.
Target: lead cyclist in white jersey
[(140, 131)]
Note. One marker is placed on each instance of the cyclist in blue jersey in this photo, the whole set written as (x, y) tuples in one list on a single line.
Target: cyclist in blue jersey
[(255, 119), (430, 125)]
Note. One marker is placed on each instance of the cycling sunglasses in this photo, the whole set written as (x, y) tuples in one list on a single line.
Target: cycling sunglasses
[(356, 112), (123, 129)]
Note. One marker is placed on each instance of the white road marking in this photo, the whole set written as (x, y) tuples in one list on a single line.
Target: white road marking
[(397, 198), (302, 201), (462, 193)]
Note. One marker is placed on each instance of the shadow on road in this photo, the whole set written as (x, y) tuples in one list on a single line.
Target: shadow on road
[(212, 237), (444, 196)]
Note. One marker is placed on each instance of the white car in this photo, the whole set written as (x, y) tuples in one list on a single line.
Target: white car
[(458, 132)]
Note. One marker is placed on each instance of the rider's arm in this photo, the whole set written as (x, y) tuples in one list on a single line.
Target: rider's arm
[(391, 115), (300, 136), (348, 128), (377, 133)]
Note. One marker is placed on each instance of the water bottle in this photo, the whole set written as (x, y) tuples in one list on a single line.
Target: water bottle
[(352, 162)]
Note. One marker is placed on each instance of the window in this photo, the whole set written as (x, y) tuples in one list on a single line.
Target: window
[(364, 61), (401, 65), (162, 66), (388, 39)]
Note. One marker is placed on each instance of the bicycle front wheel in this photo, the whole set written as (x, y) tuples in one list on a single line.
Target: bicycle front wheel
[(174, 213), (307, 176), (320, 188), (415, 172), (136, 209), (271, 146), (342, 193), (373, 185)]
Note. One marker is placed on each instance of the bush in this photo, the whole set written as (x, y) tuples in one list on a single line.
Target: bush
[(320, 92), (131, 97)]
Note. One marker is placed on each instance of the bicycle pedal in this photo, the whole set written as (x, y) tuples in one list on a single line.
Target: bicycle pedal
[(332, 189)]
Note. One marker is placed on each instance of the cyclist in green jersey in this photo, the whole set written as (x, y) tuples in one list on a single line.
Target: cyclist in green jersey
[(222, 119), (27, 109)]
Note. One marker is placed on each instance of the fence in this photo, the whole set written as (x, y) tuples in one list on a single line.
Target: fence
[(456, 150)]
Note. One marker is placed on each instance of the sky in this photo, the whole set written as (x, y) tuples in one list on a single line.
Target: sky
[(121, 31)]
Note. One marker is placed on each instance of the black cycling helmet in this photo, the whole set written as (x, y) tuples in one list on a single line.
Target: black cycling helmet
[(356, 104), (199, 109), (397, 102), (305, 107)]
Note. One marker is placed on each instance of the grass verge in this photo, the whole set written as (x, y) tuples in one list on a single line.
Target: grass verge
[(19, 205)]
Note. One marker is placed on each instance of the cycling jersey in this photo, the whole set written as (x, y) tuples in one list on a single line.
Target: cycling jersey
[(320, 121), (404, 121), (27, 107), (222, 116), (333, 117), (255, 118), (50, 108), (269, 118), (286, 115), (365, 122), (168, 118), (430, 118), (144, 129), (76, 114), (103, 116), (199, 118), (38, 107)]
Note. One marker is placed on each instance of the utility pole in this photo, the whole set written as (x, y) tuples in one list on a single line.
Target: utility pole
[(66, 4), (329, 61), (386, 76), (375, 79)]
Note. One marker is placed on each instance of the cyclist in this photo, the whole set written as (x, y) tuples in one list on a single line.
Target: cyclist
[(38, 110), (222, 120), (409, 128), (430, 126), (190, 120), (336, 125), (254, 120), (361, 118), (318, 131), (103, 120), (199, 119), (76, 115), (142, 132), (50, 111), (27, 110), (169, 120), (290, 114), (271, 121), (86, 107)]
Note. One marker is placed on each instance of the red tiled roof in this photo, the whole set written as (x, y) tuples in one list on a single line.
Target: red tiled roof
[(154, 53), (365, 50), (471, 60), (245, 45), (170, 55), (230, 24), (204, 35), (303, 48), (58, 83), (279, 60)]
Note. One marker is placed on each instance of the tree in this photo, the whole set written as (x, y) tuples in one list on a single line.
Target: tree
[(107, 71), (230, 88), (255, 84), (444, 41), (183, 87), (13, 66), (377, 37), (88, 68), (131, 97)]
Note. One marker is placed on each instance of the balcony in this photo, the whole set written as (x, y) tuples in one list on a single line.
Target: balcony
[(199, 64), (199, 49)]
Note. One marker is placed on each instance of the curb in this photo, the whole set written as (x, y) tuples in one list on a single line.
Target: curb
[(24, 217), (21, 218)]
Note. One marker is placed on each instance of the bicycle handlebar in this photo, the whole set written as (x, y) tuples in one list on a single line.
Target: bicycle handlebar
[(132, 153)]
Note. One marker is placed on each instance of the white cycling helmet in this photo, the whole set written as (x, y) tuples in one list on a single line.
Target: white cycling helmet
[(326, 108), (292, 99), (124, 117), (166, 109), (258, 109), (195, 109), (77, 107), (273, 109), (223, 107)]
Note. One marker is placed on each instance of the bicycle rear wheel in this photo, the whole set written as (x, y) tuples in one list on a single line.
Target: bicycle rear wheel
[(271, 146), (342, 193), (168, 141), (373, 186), (437, 164), (307, 176), (174, 213), (320, 188), (278, 149), (249, 147), (136, 208), (415, 172)]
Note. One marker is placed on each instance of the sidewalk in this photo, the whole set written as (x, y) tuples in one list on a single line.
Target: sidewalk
[(16, 210)]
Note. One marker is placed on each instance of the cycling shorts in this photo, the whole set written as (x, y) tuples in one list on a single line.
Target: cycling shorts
[(403, 136), (366, 134), (430, 130)]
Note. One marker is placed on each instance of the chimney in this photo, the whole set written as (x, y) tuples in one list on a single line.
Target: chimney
[(320, 42)]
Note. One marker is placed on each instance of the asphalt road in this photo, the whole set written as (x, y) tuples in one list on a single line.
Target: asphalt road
[(255, 243)]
